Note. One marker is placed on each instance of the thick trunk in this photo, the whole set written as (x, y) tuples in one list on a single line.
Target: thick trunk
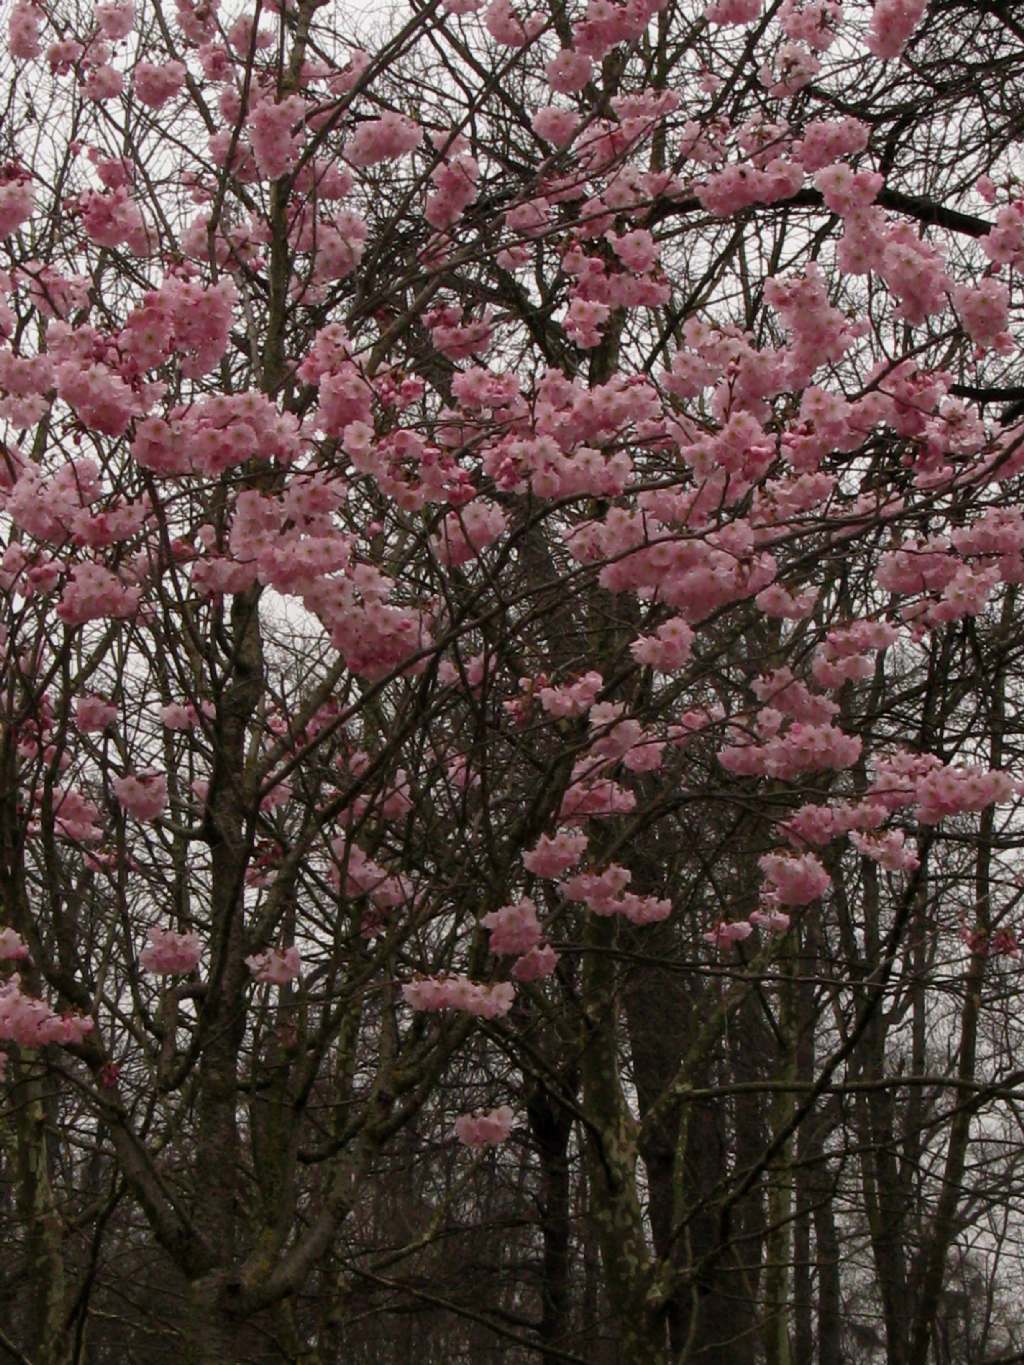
[(885, 1191), (218, 1164), (685, 1152), (213, 1335), (551, 1126), (44, 1304), (931, 1270), (885, 1200), (826, 1239), (715, 1300), (612, 1163), (780, 1179), (816, 1333)]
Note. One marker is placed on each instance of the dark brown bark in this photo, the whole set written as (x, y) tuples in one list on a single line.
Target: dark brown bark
[(550, 1127)]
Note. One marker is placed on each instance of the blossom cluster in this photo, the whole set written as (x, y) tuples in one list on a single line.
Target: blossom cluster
[(171, 953), (435, 993), (31, 1022), (275, 966), (727, 932), (484, 1128), (604, 893), (516, 932)]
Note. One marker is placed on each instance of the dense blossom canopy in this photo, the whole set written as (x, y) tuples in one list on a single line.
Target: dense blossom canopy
[(511, 544)]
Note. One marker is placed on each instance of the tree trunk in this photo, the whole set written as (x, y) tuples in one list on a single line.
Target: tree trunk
[(612, 1160), (550, 1126), (212, 1334), (40, 1217)]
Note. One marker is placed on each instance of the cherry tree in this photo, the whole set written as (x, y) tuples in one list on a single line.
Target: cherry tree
[(512, 537)]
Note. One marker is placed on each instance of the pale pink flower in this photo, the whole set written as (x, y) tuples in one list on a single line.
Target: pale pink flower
[(170, 953), (277, 966), (484, 1129)]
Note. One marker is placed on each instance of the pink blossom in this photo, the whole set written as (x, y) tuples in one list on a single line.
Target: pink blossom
[(913, 271), (984, 312), (556, 125), (583, 322), (170, 953), (155, 85), (606, 25), (179, 716), (514, 928), (814, 22), (794, 879), (454, 183), (538, 963), (115, 20), (942, 791), (1001, 943), (278, 795), (774, 921), (569, 71), (75, 817), (16, 203), (62, 55), (795, 66), (244, 34), (506, 28), (592, 796), (782, 692), (465, 533), (143, 795), (605, 894), (348, 77), (637, 250), (94, 714), (888, 849), (727, 932), (733, 11), (340, 244), (642, 910), (824, 141), (364, 877), (93, 593), (571, 699), (274, 143), (892, 24), (554, 854), (23, 31), (384, 139), (32, 1023), (484, 1129), (1003, 245), (986, 187), (668, 649), (12, 947), (530, 218), (277, 966), (434, 993), (800, 748), (103, 83), (100, 398)]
